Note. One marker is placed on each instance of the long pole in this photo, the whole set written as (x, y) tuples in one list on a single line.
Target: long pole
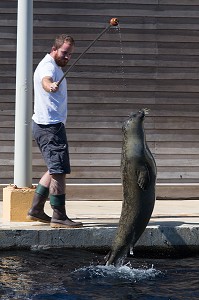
[(23, 106), (113, 22)]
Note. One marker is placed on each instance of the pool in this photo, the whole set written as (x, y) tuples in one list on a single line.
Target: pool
[(79, 275)]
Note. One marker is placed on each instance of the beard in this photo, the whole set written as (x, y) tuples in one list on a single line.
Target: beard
[(61, 62)]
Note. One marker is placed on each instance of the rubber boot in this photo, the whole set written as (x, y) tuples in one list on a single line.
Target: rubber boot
[(59, 218), (36, 213)]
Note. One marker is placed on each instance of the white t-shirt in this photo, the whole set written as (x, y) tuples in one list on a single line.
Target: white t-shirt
[(49, 108)]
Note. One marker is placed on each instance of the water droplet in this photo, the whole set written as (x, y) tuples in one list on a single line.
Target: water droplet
[(122, 55)]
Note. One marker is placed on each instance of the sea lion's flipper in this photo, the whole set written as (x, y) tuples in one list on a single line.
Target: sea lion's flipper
[(143, 178), (107, 257)]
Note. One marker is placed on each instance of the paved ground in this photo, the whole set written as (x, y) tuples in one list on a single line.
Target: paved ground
[(106, 213), (173, 223)]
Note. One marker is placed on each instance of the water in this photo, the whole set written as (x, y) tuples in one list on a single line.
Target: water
[(78, 275), (122, 56)]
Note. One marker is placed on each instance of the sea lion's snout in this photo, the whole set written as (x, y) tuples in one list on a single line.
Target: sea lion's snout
[(139, 115), (135, 118), (143, 112)]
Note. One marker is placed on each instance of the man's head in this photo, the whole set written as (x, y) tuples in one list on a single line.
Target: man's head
[(62, 49)]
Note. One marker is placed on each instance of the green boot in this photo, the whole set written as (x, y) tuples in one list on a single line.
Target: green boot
[(36, 212), (59, 218)]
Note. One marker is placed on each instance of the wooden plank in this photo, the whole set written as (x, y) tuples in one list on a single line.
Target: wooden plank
[(166, 73), (179, 175), (178, 2), (180, 148), (82, 149), (110, 161), (113, 192), (166, 178), (165, 61), (157, 137)]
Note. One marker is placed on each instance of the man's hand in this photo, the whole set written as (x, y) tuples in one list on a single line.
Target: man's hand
[(53, 87)]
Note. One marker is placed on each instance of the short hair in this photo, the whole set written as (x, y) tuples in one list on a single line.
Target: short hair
[(61, 39)]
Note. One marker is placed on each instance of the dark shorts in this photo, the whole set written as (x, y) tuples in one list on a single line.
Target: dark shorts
[(52, 142)]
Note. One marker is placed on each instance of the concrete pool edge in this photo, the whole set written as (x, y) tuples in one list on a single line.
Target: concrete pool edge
[(174, 226), (163, 238)]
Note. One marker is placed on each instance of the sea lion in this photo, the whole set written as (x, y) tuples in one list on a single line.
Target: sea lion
[(138, 171)]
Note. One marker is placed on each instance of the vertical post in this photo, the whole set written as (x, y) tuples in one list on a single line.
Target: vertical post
[(23, 106)]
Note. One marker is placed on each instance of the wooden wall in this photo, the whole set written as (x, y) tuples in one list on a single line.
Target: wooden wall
[(154, 66)]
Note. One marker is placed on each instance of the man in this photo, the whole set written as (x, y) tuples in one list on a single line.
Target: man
[(50, 113)]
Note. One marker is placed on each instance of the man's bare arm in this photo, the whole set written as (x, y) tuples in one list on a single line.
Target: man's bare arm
[(48, 84)]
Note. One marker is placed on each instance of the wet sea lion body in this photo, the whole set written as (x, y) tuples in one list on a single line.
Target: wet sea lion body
[(138, 170)]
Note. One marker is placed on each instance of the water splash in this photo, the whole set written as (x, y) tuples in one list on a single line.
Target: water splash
[(125, 272)]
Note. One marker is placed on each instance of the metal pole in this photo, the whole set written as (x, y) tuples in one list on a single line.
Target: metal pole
[(23, 106)]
